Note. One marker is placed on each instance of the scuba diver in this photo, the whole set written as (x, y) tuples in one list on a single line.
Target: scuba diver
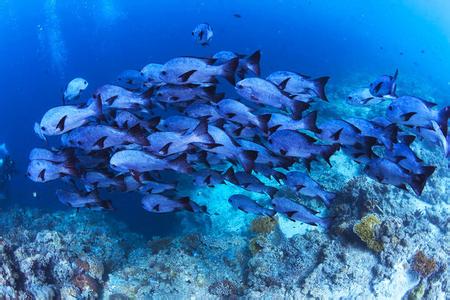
[(6, 171)]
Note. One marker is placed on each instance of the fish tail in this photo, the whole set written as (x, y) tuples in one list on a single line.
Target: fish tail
[(310, 122), (328, 151), (319, 87), (202, 134), (247, 159), (253, 62), (228, 70), (419, 180), (443, 116)]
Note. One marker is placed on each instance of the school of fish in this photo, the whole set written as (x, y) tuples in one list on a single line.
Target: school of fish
[(167, 123)]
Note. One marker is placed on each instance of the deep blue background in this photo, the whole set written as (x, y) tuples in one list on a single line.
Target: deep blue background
[(44, 44)]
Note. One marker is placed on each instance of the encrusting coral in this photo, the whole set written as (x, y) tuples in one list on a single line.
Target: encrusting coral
[(423, 265), (365, 229), (263, 225)]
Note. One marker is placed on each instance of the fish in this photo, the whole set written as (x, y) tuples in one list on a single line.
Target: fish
[(126, 120), (99, 137), (386, 135), (89, 200), (402, 155), (246, 63), (38, 131), (116, 97), (203, 34), (270, 172), (297, 212), (265, 156), (302, 184), (264, 92), (248, 182), (207, 177), (170, 93), (277, 121), (195, 70), (132, 80), (298, 84), (339, 131), (363, 97), (434, 135), (162, 204), (384, 85), (361, 152), (74, 89), (238, 112), (146, 184), (168, 143), (137, 161), (227, 147), (92, 180), (151, 73), (61, 119), (296, 144), (248, 205), (45, 171), (56, 156), (178, 123), (416, 112), (388, 172), (202, 110)]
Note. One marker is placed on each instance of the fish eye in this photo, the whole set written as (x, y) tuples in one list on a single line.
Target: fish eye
[(28, 174), (192, 33), (163, 73), (349, 97), (390, 107), (113, 165), (159, 94), (142, 74), (239, 86), (43, 128), (85, 82)]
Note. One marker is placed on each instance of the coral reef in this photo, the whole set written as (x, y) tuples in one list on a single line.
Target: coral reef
[(263, 225), (423, 265), (365, 229)]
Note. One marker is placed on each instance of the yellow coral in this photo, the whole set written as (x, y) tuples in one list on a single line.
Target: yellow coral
[(263, 225), (365, 230)]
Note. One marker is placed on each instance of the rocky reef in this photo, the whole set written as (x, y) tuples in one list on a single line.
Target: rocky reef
[(88, 255)]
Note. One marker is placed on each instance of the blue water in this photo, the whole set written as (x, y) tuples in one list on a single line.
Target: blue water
[(44, 44)]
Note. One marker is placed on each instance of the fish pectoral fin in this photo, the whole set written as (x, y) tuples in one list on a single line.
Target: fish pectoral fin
[(61, 124), (335, 136), (42, 174), (101, 142), (399, 158), (185, 76), (407, 116), (111, 100), (290, 214), (299, 187), (282, 85), (136, 175), (378, 87), (164, 150), (230, 115)]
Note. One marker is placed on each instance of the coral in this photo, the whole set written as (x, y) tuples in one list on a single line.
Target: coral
[(423, 265), (223, 288), (256, 244), (365, 229), (263, 224), (157, 245)]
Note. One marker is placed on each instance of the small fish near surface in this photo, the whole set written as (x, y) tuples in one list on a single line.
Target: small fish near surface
[(62, 119), (384, 86), (297, 212), (89, 200), (74, 89), (196, 70), (248, 205), (203, 34)]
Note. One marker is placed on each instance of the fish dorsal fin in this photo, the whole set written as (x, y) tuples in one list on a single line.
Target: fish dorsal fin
[(282, 84), (394, 78), (101, 142), (408, 116), (206, 60), (353, 126), (42, 174), (185, 76), (61, 124)]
